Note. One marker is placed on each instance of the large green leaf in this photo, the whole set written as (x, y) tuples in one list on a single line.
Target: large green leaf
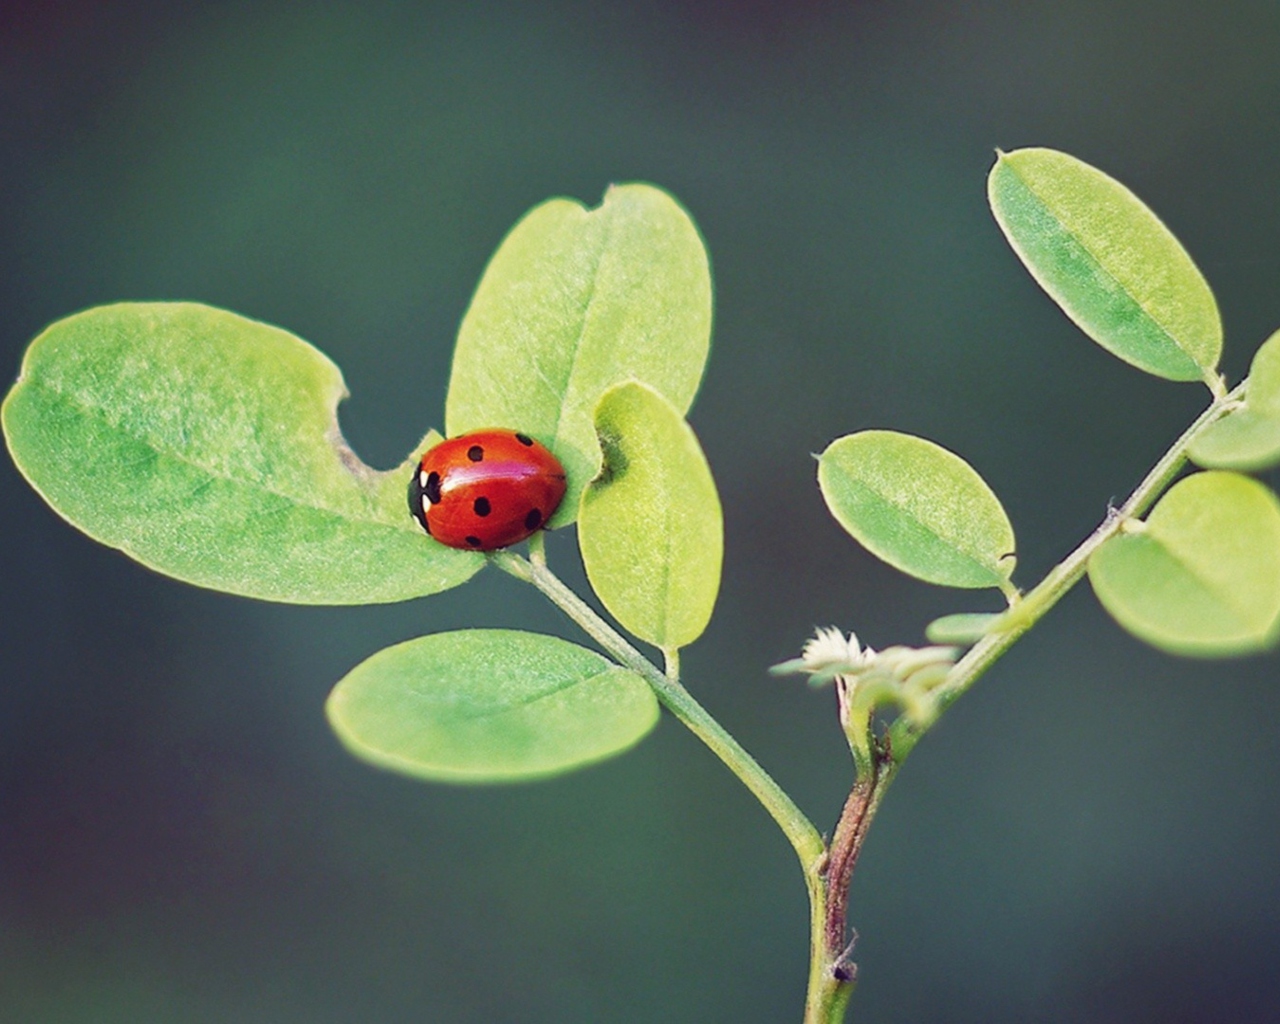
[(1109, 262), (574, 301), (1202, 575), (1249, 437), (919, 507), (206, 446), (650, 527), (489, 705)]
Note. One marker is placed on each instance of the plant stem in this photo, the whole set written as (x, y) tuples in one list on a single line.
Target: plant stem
[(828, 873), (832, 971), (851, 831), (1032, 607), (797, 828), (902, 737)]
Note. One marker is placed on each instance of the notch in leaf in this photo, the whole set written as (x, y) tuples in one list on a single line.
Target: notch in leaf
[(650, 527), (574, 301), (206, 446)]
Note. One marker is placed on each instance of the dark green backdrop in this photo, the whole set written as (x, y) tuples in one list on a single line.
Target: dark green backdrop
[(1091, 835)]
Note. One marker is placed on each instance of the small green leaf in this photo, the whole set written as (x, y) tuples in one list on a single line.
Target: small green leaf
[(1202, 575), (574, 301), (207, 447), (961, 628), (1109, 262), (919, 507), (1243, 440), (1264, 378), (1248, 438), (650, 527), (489, 705)]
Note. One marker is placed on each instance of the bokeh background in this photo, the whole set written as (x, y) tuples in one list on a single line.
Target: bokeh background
[(1092, 834)]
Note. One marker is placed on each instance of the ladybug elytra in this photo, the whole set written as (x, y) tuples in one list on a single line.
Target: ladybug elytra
[(485, 490)]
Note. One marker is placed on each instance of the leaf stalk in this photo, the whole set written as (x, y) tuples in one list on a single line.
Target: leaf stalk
[(828, 871), (679, 701), (1049, 591)]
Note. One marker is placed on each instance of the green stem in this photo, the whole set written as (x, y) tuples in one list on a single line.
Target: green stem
[(828, 874), (828, 994), (797, 828), (1032, 607)]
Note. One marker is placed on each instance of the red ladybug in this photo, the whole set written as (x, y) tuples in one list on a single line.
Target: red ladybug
[(486, 489)]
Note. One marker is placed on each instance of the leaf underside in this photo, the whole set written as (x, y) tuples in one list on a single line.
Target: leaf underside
[(961, 627)]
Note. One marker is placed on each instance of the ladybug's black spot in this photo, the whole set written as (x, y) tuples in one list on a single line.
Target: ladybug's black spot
[(534, 519), (474, 541), (475, 453), (525, 440), (432, 490), (415, 497), (482, 506)]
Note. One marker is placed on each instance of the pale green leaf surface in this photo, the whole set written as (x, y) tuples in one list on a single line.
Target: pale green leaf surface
[(919, 507), (489, 705), (1108, 261), (650, 527), (961, 628), (1243, 440), (1264, 378), (1203, 576), (576, 300), (206, 446), (1248, 438)]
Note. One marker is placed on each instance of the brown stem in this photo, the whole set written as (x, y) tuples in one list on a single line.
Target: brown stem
[(846, 845)]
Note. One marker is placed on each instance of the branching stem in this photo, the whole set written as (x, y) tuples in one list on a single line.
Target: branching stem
[(679, 701), (828, 872), (1033, 606)]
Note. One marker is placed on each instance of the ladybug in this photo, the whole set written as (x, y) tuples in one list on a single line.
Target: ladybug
[(486, 489)]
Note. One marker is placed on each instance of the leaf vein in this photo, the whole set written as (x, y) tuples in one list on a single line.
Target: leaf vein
[(114, 424)]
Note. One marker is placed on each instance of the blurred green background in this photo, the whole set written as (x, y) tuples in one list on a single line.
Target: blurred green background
[(1091, 835)]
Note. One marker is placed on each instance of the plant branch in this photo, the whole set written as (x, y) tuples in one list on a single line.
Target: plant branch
[(797, 828), (828, 873), (851, 832), (1032, 607), (832, 971)]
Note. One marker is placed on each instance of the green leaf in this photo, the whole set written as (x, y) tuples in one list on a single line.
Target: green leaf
[(961, 628), (1248, 438), (207, 447), (919, 507), (574, 301), (489, 705), (1109, 262), (1264, 378), (650, 527), (1243, 440), (1202, 575)]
